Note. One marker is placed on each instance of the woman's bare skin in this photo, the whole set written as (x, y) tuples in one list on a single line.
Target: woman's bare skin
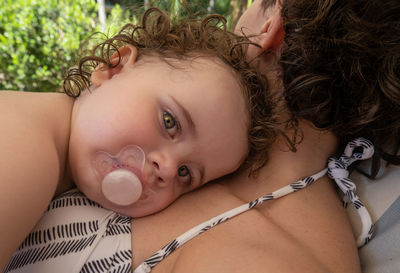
[(307, 231)]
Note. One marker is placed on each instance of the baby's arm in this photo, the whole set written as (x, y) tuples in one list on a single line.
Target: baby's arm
[(31, 163)]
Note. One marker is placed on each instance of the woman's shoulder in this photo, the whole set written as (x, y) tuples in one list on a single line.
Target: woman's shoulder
[(303, 231), (299, 231)]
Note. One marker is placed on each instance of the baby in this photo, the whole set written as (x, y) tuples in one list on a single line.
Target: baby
[(164, 107), (174, 107), (149, 132), (160, 109)]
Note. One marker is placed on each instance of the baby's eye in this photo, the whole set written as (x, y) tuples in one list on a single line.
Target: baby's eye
[(170, 124), (184, 174), (169, 120)]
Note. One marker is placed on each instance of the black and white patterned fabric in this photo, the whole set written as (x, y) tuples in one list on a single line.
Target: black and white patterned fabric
[(359, 149), (75, 234)]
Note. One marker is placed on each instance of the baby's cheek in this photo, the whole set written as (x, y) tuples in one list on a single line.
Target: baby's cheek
[(170, 198)]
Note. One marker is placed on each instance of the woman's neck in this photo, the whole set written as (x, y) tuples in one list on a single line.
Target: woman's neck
[(284, 166)]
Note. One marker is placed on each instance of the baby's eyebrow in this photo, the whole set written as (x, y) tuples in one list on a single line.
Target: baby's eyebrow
[(186, 114)]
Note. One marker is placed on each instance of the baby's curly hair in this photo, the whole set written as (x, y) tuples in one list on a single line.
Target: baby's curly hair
[(341, 68), (159, 35)]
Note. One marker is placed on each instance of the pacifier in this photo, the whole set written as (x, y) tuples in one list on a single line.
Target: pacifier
[(119, 174)]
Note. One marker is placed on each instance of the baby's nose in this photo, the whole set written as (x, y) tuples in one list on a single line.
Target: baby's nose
[(165, 170)]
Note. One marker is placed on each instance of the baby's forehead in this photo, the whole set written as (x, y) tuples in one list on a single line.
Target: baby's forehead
[(192, 67), (182, 64), (188, 67), (198, 73)]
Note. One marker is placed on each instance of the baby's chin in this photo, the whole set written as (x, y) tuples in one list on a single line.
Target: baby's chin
[(148, 203)]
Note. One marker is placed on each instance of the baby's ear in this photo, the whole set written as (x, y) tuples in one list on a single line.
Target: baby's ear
[(272, 33), (103, 72)]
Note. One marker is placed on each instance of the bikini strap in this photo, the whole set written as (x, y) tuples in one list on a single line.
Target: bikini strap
[(335, 169), (358, 149), (151, 262)]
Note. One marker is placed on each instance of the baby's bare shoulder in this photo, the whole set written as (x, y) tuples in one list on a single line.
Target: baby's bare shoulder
[(30, 162), (32, 125)]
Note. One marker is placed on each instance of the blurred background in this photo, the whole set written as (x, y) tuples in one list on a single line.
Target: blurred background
[(39, 39)]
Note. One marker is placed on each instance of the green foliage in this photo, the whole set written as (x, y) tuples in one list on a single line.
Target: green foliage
[(39, 39), (118, 17)]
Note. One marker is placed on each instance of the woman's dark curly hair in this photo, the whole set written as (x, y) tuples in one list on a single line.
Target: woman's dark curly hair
[(341, 68), (159, 35)]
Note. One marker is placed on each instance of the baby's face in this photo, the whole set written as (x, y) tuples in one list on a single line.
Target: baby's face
[(191, 122)]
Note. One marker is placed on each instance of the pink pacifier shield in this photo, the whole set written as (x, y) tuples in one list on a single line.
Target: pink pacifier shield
[(120, 174)]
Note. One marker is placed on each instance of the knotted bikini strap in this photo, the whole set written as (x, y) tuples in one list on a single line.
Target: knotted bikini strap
[(338, 171), (358, 149)]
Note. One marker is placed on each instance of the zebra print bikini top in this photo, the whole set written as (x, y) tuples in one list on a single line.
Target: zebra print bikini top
[(337, 170)]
